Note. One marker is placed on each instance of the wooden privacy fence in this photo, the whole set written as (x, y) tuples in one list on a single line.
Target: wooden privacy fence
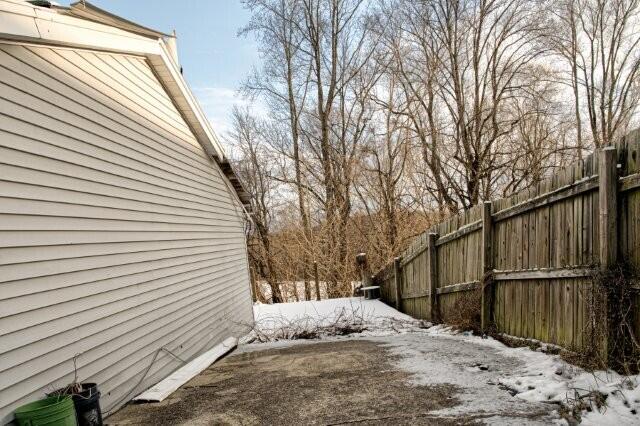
[(535, 252)]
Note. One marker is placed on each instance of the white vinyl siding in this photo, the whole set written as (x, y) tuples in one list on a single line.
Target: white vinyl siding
[(118, 235)]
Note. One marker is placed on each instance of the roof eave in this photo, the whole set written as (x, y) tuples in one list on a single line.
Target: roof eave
[(86, 10), (23, 22)]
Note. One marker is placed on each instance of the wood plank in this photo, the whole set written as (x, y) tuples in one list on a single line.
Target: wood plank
[(631, 182), (541, 274), (397, 281), (587, 229), (567, 191), (568, 304), (531, 309), (487, 266), (577, 222), (563, 235), (500, 292), (409, 296), (525, 241), (454, 288), (465, 230), (544, 310), (553, 231), (539, 309), (517, 308), (578, 322), (513, 308), (432, 275), (408, 259), (553, 308), (497, 307), (608, 207), (516, 246)]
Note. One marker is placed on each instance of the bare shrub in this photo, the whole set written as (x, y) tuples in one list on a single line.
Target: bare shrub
[(465, 314), (341, 322), (580, 401), (609, 337), (611, 318)]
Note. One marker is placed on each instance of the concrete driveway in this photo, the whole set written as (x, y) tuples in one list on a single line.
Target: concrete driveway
[(400, 379)]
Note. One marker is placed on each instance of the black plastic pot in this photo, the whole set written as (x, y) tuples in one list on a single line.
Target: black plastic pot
[(86, 403)]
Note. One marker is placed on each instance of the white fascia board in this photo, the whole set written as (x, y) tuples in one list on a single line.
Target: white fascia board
[(171, 383), (169, 73), (24, 22)]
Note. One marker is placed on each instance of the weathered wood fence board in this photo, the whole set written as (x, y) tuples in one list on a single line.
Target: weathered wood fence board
[(534, 256), (629, 231)]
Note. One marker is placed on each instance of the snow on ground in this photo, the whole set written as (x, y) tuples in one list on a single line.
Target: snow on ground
[(326, 311), (537, 377), (485, 368), (330, 317)]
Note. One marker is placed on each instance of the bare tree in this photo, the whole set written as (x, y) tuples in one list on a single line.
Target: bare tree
[(386, 116), (283, 81), (540, 141), (253, 166), (414, 60), (337, 50), (460, 62), (380, 187), (599, 40), (317, 75)]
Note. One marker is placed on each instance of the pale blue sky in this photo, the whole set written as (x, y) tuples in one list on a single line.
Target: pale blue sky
[(214, 58)]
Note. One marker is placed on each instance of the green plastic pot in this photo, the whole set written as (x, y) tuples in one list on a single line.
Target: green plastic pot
[(52, 411)]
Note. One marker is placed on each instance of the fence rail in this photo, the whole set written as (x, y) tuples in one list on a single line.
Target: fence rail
[(525, 263)]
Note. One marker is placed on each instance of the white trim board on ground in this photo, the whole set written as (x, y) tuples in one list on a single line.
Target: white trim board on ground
[(171, 383)]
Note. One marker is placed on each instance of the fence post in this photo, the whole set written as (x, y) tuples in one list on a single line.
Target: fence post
[(397, 281), (608, 204), (608, 240), (254, 284), (487, 266), (432, 276), (315, 275)]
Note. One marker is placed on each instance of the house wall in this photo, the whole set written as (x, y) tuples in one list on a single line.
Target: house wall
[(118, 235)]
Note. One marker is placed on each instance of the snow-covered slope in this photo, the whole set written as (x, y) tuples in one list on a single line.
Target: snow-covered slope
[(331, 317), (326, 311)]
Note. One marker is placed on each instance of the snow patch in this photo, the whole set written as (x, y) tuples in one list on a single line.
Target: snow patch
[(544, 378), (326, 310), (331, 317)]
